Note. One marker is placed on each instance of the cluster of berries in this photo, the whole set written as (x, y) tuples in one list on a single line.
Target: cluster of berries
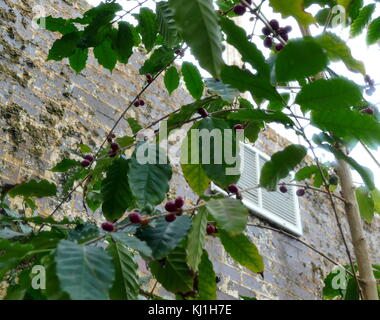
[(88, 159), (139, 103), (299, 192), (180, 52), (276, 30), (368, 110), (175, 207), (371, 83), (203, 112), (240, 8), (114, 146), (234, 189), (149, 78)]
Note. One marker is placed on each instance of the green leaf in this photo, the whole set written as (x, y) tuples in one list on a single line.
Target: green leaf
[(206, 284), (160, 58), (83, 232), (260, 115), (309, 172), (171, 79), (149, 174), (174, 274), (124, 41), (196, 239), (126, 284), (358, 25), (280, 165), (366, 204), (244, 80), (329, 95), (225, 91), (193, 80), (33, 188), (165, 236), (201, 32), (337, 49), (84, 272), (299, 59), (148, 27), (376, 199), (132, 242), (106, 55), (83, 148), (116, 193), (65, 165), (237, 37), (64, 47), (125, 141), (78, 59), (229, 214), (60, 25), (7, 233), (349, 125), (134, 124), (294, 8), (373, 34), (242, 251), (166, 24)]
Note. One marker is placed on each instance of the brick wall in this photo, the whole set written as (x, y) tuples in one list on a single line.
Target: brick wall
[(47, 109)]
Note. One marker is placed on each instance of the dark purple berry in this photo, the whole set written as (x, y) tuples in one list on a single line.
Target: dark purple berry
[(268, 42), (170, 206), (179, 213), (285, 37), (238, 127), (266, 31), (333, 180), (368, 110), (279, 47), (203, 112), (85, 163), (141, 102), (179, 202), (178, 51), (283, 188), (370, 91), (233, 188), (112, 153), (210, 229), (89, 157), (109, 139), (274, 24), (239, 9), (300, 192), (170, 217), (288, 29), (134, 217), (115, 146), (136, 103), (149, 78), (108, 226)]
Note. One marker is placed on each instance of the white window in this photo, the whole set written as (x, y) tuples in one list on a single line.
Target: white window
[(279, 208)]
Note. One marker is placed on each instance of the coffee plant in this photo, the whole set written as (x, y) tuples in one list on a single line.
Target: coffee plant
[(87, 259)]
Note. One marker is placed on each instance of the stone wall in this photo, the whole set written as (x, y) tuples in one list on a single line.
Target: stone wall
[(47, 109)]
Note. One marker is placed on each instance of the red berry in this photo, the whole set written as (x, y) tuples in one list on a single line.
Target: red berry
[(203, 112), (136, 103), (233, 188), (266, 31), (115, 146), (279, 47), (149, 78), (238, 127), (210, 229), (368, 110), (89, 157), (170, 217), (170, 206), (179, 202), (239, 9), (108, 226), (268, 42), (135, 217), (274, 24), (85, 163), (300, 192), (283, 189)]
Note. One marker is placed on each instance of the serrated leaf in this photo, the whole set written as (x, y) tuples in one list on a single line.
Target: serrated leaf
[(105, 55), (229, 214), (166, 24), (196, 239), (79, 59), (171, 79), (358, 25), (280, 165), (84, 272), (132, 242), (148, 27), (337, 50), (64, 47), (365, 203), (126, 284), (329, 95), (299, 59), (117, 196), (206, 284), (373, 33), (243, 251), (244, 80), (165, 236), (160, 58), (124, 41), (60, 25), (294, 8), (65, 165), (193, 80), (237, 37), (148, 176), (202, 32), (35, 189), (174, 274)]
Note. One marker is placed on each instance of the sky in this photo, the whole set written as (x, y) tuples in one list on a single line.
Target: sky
[(369, 55)]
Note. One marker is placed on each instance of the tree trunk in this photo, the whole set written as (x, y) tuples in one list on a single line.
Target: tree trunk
[(366, 278)]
